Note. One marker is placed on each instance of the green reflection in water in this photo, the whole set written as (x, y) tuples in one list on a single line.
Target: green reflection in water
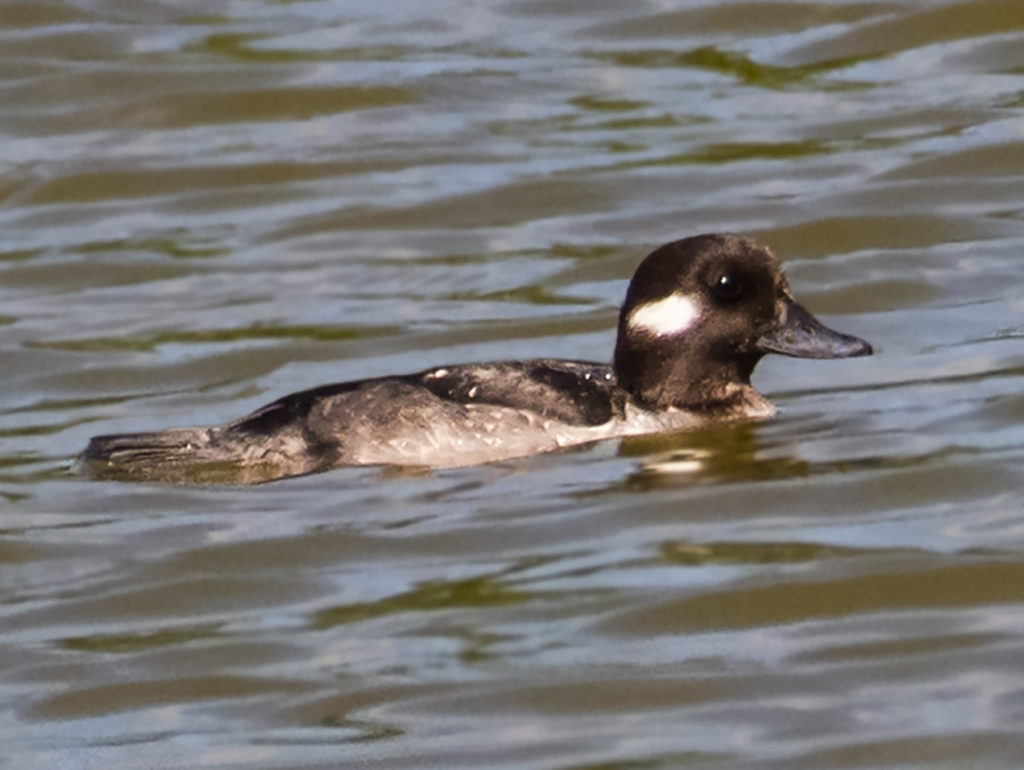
[(905, 647), (46, 429), (50, 472), (165, 246), (662, 762), (725, 454), (20, 255), (628, 124), (534, 294), (257, 331), (585, 251), (736, 65), (239, 46), (365, 731), (134, 642), (713, 454), (483, 591), (914, 586), (601, 104), (62, 404), (732, 152), (14, 460), (476, 645), (697, 554)]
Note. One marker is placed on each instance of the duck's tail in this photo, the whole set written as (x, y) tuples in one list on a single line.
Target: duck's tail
[(223, 454), (165, 455)]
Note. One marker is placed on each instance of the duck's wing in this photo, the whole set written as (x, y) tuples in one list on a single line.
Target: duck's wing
[(572, 392), (575, 393)]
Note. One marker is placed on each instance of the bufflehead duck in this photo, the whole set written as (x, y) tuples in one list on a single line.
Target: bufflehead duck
[(698, 316)]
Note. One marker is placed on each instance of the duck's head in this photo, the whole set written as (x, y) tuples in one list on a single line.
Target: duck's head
[(701, 312)]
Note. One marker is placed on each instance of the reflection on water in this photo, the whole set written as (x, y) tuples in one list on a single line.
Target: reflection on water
[(208, 206)]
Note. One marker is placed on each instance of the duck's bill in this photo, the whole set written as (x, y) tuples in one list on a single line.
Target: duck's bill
[(804, 336)]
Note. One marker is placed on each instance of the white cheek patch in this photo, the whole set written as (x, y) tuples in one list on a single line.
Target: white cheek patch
[(666, 317)]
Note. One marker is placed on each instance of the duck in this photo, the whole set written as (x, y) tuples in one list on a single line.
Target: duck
[(698, 316)]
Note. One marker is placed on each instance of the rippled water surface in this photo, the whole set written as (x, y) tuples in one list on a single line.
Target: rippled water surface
[(207, 205)]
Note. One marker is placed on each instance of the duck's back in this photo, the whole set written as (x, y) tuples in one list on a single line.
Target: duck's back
[(449, 416)]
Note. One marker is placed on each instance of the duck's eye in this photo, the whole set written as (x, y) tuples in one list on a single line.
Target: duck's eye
[(727, 287)]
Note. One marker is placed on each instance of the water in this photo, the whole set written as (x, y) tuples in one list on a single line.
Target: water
[(209, 205)]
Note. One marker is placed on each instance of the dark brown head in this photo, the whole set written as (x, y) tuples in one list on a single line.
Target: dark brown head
[(701, 312)]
